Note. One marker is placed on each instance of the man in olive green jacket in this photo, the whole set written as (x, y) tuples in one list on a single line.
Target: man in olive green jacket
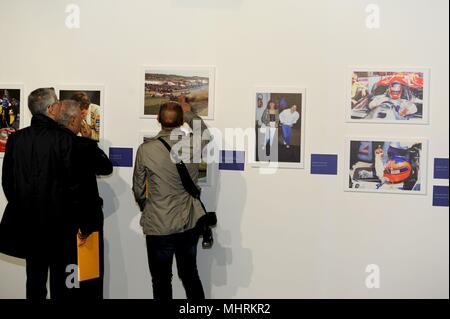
[(169, 212)]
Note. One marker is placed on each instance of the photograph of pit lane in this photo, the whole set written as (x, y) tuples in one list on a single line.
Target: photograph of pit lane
[(389, 96), (386, 166), (193, 85), (9, 114), (278, 127)]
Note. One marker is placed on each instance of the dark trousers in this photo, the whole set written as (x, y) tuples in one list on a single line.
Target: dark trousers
[(161, 250), (56, 257), (54, 254)]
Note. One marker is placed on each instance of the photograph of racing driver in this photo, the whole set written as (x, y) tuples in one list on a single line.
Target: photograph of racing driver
[(381, 96), (9, 115), (386, 166), (91, 109)]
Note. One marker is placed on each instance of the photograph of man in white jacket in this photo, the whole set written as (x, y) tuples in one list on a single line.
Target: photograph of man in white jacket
[(288, 118)]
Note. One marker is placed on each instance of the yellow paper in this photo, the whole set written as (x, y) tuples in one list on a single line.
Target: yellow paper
[(89, 258)]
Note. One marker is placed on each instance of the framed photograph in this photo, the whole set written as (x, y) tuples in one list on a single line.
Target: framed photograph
[(382, 95), (279, 124), (191, 86), (205, 171), (91, 99), (11, 111), (386, 165)]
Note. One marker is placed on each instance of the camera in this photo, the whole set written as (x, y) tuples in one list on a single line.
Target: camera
[(208, 239), (204, 224)]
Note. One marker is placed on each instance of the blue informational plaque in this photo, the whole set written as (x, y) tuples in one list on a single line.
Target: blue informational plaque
[(232, 160), (440, 196), (324, 164), (121, 156), (441, 168)]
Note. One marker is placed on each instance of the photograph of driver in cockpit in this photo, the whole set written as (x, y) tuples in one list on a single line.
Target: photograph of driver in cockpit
[(389, 97)]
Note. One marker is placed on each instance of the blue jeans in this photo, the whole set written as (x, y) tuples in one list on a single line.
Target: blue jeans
[(287, 130), (161, 250)]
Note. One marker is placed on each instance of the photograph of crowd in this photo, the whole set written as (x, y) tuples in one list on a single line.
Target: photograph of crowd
[(192, 85)]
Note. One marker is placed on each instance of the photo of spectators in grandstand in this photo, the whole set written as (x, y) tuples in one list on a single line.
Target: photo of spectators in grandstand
[(194, 85)]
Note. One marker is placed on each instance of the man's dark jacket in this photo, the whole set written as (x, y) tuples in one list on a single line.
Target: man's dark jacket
[(41, 183)]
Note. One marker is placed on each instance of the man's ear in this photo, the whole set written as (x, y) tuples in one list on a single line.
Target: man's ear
[(50, 109)]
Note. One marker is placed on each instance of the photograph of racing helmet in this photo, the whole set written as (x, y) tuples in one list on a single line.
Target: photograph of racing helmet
[(10, 111), (389, 96), (386, 166)]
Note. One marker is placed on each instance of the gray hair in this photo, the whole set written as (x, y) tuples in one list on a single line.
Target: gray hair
[(69, 109), (40, 99)]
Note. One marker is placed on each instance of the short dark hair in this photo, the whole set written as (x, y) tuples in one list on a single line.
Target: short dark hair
[(170, 115)]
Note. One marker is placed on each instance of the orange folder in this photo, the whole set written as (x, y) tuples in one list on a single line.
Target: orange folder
[(89, 258)]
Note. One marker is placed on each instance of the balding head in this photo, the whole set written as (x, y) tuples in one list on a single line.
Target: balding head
[(70, 115), (170, 115)]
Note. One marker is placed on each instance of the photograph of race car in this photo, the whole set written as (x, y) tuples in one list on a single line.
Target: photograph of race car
[(389, 96), (387, 166), (10, 109), (192, 86)]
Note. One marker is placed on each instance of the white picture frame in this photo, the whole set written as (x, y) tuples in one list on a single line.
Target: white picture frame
[(206, 181), (167, 85), (297, 94), (395, 158), (376, 106), (16, 91)]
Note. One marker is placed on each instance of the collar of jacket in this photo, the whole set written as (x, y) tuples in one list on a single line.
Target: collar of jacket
[(43, 120), (177, 131)]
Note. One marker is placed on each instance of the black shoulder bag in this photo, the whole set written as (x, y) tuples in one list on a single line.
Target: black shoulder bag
[(209, 219)]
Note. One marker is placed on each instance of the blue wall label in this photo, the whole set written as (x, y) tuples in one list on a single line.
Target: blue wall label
[(121, 156), (324, 164), (232, 160)]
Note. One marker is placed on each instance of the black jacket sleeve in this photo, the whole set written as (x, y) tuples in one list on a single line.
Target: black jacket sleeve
[(92, 161)]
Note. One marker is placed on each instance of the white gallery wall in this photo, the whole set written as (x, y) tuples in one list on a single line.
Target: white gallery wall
[(285, 235)]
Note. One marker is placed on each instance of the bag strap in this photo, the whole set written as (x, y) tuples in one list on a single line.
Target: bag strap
[(183, 172), (209, 219)]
